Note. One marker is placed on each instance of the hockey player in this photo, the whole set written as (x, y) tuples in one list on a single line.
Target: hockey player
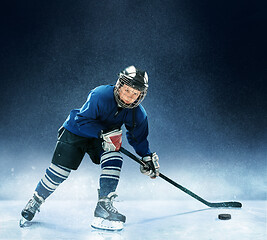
[(95, 129)]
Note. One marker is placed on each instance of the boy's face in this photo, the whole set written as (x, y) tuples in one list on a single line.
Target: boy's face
[(128, 94)]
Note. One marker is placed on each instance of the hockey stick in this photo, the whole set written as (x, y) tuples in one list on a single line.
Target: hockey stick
[(210, 204)]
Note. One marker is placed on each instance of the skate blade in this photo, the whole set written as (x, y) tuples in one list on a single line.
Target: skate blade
[(103, 224), (22, 222)]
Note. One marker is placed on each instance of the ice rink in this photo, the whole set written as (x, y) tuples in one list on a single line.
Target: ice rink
[(206, 107), (145, 220)]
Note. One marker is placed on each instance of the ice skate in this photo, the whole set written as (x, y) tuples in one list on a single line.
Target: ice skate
[(30, 209), (106, 216)]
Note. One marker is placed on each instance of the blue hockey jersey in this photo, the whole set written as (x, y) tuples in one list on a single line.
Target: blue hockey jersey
[(101, 112)]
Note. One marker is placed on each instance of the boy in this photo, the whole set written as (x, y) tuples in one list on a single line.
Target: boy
[(95, 129)]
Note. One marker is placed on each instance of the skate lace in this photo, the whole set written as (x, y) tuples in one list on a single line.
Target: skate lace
[(109, 206)]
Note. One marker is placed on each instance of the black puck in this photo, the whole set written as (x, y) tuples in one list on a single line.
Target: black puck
[(224, 216)]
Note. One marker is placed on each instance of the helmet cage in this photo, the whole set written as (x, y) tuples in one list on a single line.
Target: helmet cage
[(131, 83)]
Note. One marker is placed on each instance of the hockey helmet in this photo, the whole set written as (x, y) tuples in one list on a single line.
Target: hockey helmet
[(135, 78)]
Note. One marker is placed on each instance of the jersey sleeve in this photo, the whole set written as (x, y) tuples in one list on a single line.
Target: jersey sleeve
[(137, 136), (87, 119)]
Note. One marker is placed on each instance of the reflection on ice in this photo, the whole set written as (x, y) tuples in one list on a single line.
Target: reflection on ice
[(145, 220)]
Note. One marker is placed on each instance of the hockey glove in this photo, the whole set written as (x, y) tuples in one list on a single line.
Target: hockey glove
[(111, 140), (151, 168)]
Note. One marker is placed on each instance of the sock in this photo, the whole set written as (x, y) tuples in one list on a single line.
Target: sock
[(111, 163), (54, 176)]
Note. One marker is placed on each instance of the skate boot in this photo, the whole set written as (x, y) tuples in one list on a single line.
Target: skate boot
[(106, 216), (30, 209)]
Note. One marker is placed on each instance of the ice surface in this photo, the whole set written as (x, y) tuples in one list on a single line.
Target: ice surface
[(145, 220)]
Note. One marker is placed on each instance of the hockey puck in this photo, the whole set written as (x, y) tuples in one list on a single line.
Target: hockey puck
[(224, 216)]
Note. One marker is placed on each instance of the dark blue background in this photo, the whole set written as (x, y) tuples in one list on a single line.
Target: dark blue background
[(206, 61)]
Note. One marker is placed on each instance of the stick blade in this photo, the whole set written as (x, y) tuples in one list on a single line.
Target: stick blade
[(226, 205)]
